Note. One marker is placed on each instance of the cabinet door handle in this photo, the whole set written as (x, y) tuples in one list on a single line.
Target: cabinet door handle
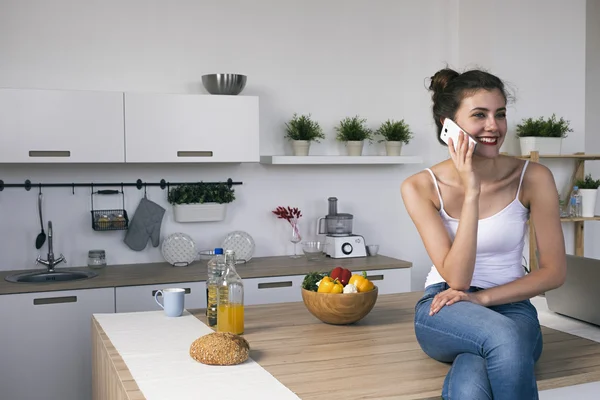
[(55, 300), (49, 153), (194, 154), (375, 277), (187, 291), (271, 285)]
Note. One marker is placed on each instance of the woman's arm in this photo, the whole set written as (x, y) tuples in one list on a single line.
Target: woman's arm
[(455, 261), (540, 189)]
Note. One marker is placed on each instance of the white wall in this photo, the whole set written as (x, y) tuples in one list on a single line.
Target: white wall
[(332, 59), (592, 114)]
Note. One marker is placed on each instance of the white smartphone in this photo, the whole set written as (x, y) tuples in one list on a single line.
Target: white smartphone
[(452, 130)]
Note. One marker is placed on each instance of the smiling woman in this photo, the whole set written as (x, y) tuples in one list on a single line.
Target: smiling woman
[(471, 212)]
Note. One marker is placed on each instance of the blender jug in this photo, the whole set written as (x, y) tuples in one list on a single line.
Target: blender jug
[(334, 223)]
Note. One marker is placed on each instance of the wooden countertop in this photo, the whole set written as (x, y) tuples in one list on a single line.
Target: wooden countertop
[(161, 273), (377, 358)]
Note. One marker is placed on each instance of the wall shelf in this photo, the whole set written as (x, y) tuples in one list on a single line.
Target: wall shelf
[(578, 174), (340, 160)]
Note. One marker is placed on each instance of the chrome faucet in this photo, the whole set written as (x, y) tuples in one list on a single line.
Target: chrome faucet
[(50, 262)]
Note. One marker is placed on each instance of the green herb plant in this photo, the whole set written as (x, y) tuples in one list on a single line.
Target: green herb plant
[(394, 131), (353, 129), (303, 128), (201, 193), (544, 127), (311, 279), (587, 183)]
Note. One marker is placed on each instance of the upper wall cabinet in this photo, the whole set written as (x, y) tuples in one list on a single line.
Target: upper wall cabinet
[(175, 128), (41, 126)]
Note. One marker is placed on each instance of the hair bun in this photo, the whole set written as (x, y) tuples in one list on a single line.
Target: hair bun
[(440, 80)]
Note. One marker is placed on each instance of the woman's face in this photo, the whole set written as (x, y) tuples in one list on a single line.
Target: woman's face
[(483, 116)]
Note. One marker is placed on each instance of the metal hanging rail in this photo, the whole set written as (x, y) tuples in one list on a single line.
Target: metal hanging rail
[(139, 184)]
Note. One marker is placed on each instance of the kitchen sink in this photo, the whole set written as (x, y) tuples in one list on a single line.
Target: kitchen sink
[(45, 276)]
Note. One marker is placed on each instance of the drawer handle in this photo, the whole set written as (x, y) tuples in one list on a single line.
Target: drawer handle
[(49, 153), (55, 300), (271, 285), (194, 154), (187, 291), (375, 277)]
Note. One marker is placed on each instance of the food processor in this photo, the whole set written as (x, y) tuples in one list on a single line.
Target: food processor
[(340, 242)]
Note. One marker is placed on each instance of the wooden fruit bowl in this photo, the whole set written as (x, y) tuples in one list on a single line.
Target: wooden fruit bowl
[(339, 308)]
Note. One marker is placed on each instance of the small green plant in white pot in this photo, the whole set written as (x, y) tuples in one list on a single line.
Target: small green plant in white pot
[(544, 135), (394, 133), (354, 131), (588, 188), (302, 130), (200, 202)]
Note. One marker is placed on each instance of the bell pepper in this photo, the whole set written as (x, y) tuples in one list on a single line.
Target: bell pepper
[(361, 282), (329, 285), (342, 274)]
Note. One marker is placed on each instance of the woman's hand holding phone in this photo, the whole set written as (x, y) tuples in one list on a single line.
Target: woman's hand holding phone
[(463, 160)]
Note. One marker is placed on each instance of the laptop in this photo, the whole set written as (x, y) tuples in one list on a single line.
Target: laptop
[(579, 296)]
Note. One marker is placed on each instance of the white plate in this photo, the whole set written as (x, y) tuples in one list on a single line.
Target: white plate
[(179, 250), (240, 242)]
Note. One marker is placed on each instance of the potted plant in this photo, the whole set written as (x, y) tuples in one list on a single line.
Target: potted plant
[(394, 133), (354, 132), (544, 135), (200, 202), (302, 130), (588, 188)]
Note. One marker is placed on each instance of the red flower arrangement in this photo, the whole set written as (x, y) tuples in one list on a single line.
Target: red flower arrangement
[(288, 213)]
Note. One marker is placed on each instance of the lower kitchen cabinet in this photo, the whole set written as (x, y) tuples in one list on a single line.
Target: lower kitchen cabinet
[(45, 350), (280, 289), (141, 298), (285, 289)]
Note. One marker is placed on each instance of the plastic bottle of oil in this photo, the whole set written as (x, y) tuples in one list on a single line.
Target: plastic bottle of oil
[(230, 296), (216, 269)]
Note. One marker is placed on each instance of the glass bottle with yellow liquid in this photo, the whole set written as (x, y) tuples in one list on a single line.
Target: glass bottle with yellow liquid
[(230, 296), (216, 268)]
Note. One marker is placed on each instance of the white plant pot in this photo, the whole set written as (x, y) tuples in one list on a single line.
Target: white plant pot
[(393, 148), (301, 147), (588, 202), (199, 212), (543, 145), (354, 147)]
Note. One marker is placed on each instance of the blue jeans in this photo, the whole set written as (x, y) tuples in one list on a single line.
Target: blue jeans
[(492, 349)]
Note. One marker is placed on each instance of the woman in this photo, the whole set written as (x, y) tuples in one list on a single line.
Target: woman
[(471, 212)]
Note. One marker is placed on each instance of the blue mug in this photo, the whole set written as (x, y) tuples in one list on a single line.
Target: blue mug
[(173, 300)]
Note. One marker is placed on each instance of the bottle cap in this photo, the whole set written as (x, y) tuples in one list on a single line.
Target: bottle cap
[(575, 187), (218, 250)]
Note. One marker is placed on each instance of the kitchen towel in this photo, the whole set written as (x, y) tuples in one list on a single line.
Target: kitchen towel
[(156, 351), (145, 225)]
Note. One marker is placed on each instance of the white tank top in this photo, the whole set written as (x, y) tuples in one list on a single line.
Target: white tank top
[(500, 242)]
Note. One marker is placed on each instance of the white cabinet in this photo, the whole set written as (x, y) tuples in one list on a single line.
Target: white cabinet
[(141, 298), (280, 289), (284, 289), (66, 126), (45, 350), (391, 280), (179, 128)]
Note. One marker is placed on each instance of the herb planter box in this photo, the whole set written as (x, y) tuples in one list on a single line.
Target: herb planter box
[(199, 212)]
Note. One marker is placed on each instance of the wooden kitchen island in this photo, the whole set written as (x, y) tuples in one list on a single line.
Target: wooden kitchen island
[(376, 358)]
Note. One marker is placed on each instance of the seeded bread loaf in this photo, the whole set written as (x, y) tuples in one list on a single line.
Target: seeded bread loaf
[(220, 348)]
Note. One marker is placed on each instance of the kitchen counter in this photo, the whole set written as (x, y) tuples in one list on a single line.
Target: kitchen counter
[(162, 272), (378, 357)]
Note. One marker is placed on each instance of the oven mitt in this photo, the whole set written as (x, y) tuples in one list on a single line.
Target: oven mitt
[(145, 225)]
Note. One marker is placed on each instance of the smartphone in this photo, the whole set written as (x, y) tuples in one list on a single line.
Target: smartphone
[(451, 130)]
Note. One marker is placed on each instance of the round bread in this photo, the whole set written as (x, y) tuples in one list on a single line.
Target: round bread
[(220, 348)]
